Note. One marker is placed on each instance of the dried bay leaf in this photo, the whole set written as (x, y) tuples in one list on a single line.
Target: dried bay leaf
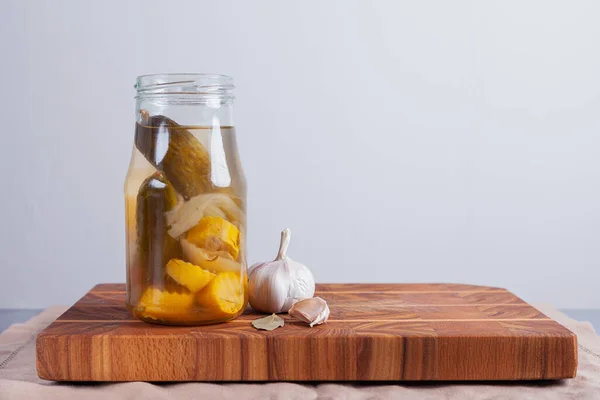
[(268, 323)]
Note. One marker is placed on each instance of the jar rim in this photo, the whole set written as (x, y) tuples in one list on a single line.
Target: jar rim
[(203, 84)]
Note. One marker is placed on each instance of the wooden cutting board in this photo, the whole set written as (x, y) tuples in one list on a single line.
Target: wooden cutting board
[(379, 332)]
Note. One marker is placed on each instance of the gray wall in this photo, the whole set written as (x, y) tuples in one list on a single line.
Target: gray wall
[(400, 141)]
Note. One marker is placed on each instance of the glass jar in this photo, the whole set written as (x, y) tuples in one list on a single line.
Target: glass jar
[(185, 196)]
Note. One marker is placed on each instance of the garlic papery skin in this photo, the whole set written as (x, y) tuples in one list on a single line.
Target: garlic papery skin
[(275, 286)]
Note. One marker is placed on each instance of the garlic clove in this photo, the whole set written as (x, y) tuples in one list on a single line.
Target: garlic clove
[(268, 323), (274, 286), (313, 311)]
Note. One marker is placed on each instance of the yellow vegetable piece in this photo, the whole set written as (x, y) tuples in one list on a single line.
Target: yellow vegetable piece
[(189, 275), (158, 304), (224, 296), (220, 261), (216, 234)]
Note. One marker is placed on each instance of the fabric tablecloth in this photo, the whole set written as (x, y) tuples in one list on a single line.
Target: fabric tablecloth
[(18, 378)]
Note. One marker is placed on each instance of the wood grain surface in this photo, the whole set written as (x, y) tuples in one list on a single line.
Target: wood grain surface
[(381, 332)]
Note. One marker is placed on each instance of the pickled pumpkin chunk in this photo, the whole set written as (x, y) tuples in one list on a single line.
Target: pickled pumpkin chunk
[(220, 261), (160, 304), (223, 296), (187, 214), (216, 234), (175, 151), (189, 275)]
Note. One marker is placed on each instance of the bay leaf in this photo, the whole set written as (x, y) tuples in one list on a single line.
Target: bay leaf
[(268, 323)]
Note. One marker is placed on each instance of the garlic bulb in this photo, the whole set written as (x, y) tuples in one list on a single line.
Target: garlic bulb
[(274, 286)]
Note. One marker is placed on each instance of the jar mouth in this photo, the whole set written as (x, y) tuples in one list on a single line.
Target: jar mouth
[(187, 84)]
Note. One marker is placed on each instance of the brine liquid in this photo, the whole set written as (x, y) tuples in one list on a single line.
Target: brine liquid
[(186, 223)]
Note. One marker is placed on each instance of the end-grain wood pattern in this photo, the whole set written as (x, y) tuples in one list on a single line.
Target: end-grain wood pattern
[(381, 332)]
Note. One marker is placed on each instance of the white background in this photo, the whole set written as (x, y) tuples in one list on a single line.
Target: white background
[(421, 141)]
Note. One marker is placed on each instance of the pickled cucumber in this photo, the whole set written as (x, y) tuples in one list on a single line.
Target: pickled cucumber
[(173, 150), (155, 247)]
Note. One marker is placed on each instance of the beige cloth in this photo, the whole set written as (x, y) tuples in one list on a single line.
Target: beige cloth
[(18, 378)]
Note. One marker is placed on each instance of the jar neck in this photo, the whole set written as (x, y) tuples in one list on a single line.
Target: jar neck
[(188, 99), (196, 114)]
